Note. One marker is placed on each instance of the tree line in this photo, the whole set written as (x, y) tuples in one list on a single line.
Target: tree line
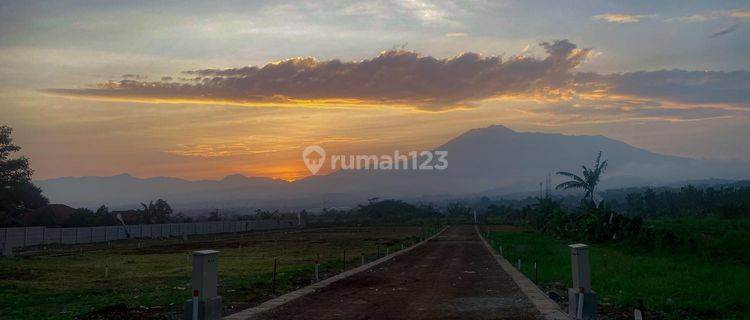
[(626, 221)]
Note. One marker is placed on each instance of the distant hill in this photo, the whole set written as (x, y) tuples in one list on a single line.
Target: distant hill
[(494, 160), (125, 191)]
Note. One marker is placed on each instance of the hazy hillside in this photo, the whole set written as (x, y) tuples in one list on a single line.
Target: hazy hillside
[(492, 160)]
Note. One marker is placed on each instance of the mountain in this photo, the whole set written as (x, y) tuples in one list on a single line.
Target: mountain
[(494, 160), (125, 191)]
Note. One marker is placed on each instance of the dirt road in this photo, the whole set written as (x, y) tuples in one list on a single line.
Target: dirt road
[(452, 276)]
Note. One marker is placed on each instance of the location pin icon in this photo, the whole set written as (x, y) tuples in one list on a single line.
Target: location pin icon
[(314, 156)]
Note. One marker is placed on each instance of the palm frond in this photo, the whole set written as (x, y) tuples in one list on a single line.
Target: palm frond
[(598, 160), (603, 166), (571, 185), (572, 176)]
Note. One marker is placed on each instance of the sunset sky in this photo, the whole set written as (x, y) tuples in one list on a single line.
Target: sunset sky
[(206, 89)]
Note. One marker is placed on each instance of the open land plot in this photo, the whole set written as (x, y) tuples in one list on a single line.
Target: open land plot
[(452, 276), (149, 279)]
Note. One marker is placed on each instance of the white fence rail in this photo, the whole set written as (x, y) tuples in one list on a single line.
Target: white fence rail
[(32, 236)]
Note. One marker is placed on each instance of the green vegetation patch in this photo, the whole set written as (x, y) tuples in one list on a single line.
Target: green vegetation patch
[(676, 284)]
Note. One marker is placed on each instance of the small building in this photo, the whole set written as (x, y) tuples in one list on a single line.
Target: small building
[(51, 215)]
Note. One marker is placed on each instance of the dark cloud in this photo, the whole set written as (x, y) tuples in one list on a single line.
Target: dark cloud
[(615, 112), (394, 77), (619, 110), (689, 87), (722, 32)]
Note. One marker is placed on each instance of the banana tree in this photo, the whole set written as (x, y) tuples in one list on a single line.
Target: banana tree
[(587, 182)]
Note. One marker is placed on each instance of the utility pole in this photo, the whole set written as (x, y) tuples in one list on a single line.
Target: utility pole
[(540, 190)]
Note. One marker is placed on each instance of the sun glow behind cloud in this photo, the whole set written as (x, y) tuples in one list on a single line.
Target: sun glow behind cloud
[(214, 131), (520, 89), (621, 17)]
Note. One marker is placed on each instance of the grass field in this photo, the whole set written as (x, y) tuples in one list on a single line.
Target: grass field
[(677, 285), (153, 281)]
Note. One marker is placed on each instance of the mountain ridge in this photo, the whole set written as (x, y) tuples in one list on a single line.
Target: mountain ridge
[(481, 160)]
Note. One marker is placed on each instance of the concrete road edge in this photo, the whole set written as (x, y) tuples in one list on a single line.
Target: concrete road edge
[(549, 309), (253, 312)]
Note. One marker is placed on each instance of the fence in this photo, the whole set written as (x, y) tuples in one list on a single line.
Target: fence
[(32, 236)]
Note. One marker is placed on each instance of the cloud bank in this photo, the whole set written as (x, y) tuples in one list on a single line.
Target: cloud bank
[(393, 78), (404, 79), (724, 31), (737, 14), (680, 86)]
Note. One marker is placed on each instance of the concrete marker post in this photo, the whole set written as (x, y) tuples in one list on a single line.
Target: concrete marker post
[(582, 300), (639, 313), (362, 259), (206, 303), (317, 269), (273, 283)]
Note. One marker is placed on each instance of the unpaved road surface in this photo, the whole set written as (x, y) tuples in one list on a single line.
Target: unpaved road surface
[(452, 276)]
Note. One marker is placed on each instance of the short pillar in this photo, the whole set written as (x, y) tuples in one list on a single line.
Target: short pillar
[(582, 300), (205, 287)]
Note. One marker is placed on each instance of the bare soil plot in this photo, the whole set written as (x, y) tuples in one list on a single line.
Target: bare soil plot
[(450, 277)]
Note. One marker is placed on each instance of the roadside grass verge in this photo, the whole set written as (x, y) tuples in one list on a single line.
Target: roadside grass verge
[(677, 285)]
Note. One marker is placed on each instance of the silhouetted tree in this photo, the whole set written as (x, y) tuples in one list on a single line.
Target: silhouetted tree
[(214, 215), (458, 210), (146, 213), (17, 193), (158, 212), (104, 217), (161, 211), (588, 182), (102, 211), (82, 217)]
